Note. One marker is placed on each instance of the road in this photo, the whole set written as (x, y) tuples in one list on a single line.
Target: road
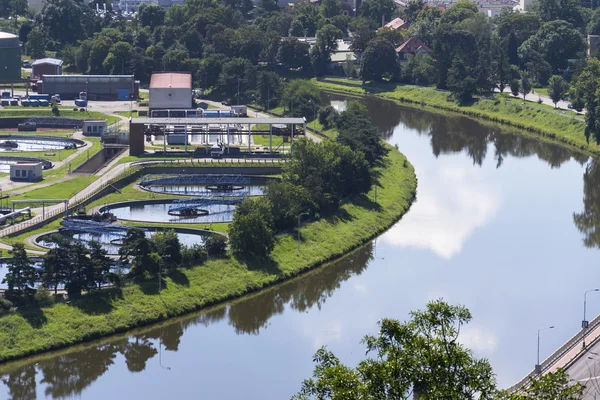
[(586, 370), (534, 97)]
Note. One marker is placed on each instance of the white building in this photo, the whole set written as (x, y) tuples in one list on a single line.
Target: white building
[(26, 171), (171, 90), (93, 127)]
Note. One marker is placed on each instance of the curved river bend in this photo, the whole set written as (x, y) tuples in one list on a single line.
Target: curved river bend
[(499, 225)]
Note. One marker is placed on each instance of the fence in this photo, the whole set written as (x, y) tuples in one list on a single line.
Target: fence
[(558, 354), (65, 210)]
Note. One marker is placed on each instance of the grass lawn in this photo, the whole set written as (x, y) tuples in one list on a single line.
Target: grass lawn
[(134, 114), (35, 330), (60, 190), (542, 120), (542, 91)]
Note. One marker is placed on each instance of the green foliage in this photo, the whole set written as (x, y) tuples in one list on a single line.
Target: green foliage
[(363, 30), (299, 97), (287, 201), (215, 245), (514, 87), (378, 61), (329, 170), (549, 386), (21, 275), (587, 88), (5, 306), (151, 15), (251, 232), (328, 117), (169, 247), (422, 354), (141, 252), (36, 44), (357, 132), (525, 85), (557, 88), (377, 10), (293, 53), (324, 47)]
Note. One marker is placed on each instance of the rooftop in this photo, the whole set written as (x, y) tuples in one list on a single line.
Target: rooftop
[(396, 23), (53, 61), (178, 80)]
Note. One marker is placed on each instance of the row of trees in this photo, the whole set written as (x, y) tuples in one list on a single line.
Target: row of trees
[(424, 358), (316, 178), (85, 266)]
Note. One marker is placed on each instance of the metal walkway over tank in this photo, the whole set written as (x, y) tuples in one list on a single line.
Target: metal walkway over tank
[(207, 200), (195, 179), (94, 227)]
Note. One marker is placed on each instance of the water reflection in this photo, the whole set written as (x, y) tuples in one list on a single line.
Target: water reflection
[(588, 221), (68, 373), (454, 134)]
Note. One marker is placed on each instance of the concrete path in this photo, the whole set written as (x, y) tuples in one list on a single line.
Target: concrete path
[(534, 97)]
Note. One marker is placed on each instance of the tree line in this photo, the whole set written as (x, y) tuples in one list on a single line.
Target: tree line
[(77, 266)]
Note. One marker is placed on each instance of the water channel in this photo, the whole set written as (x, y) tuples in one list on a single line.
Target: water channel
[(504, 224)]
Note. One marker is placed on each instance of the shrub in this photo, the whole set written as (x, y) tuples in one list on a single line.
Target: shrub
[(215, 245), (191, 255), (43, 297), (5, 306)]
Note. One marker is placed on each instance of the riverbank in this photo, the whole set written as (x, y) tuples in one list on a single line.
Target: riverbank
[(548, 123), (31, 331)]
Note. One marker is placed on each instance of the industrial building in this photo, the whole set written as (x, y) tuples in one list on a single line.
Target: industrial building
[(46, 66), (93, 127), (171, 90), (10, 58), (98, 87), (26, 171)]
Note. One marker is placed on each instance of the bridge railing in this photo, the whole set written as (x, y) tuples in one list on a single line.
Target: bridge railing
[(558, 354)]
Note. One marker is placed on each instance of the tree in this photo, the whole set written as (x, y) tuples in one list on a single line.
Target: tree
[(299, 97), (167, 244), (378, 60), (61, 21), (100, 263), (356, 131), (138, 249), (21, 275), (268, 86), (557, 88), (378, 11), (251, 231), (79, 272), (118, 61), (549, 386), (151, 15), (586, 88), (215, 245), (422, 354), (237, 77), (525, 85), (293, 53), (461, 81), (287, 202), (363, 30), (330, 8), (55, 264), (514, 87), (36, 44), (412, 10), (325, 45)]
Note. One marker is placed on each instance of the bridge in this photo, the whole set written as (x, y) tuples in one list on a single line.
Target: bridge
[(94, 227)]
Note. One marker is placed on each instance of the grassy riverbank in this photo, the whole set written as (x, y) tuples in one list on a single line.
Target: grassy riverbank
[(35, 330), (549, 123)]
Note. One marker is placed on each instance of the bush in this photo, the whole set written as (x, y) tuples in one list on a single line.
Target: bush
[(55, 110), (43, 297), (251, 231), (5, 306), (215, 245), (193, 254)]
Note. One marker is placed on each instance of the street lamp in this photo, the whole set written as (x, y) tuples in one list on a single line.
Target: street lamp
[(538, 368), (300, 216), (584, 323)]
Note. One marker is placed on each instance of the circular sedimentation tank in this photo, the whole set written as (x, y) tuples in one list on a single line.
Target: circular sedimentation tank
[(10, 58)]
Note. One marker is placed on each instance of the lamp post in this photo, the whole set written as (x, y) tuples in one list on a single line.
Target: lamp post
[(538, 368), (300, 216), (584, 323)]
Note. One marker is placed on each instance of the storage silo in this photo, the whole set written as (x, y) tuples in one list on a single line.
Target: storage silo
[(10, 58)]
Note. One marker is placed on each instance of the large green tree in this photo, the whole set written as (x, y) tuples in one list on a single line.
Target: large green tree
[(21, 274), (36, 44), (251, 232), (378, 61), (557, 89)]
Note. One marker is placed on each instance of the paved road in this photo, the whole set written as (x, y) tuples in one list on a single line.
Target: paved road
[(586, 370), (534, 97)]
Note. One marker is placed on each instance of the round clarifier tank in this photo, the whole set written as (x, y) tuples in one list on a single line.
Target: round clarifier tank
[(10, 58)]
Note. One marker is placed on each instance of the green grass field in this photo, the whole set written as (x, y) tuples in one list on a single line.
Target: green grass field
[(544, 121), (60, 190), (35, 330)]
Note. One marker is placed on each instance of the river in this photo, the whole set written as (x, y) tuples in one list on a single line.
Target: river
[(506, 225)]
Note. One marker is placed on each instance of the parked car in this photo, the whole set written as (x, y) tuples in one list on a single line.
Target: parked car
[(26, 64), (570, 106)]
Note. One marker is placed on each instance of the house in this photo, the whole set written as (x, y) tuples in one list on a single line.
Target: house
[(413, 46), (396, 24)]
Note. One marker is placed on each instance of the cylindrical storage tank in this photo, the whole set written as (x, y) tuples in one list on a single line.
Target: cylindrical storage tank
[(10, 58)]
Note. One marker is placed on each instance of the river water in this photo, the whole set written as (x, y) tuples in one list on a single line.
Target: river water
[(502, 224)]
